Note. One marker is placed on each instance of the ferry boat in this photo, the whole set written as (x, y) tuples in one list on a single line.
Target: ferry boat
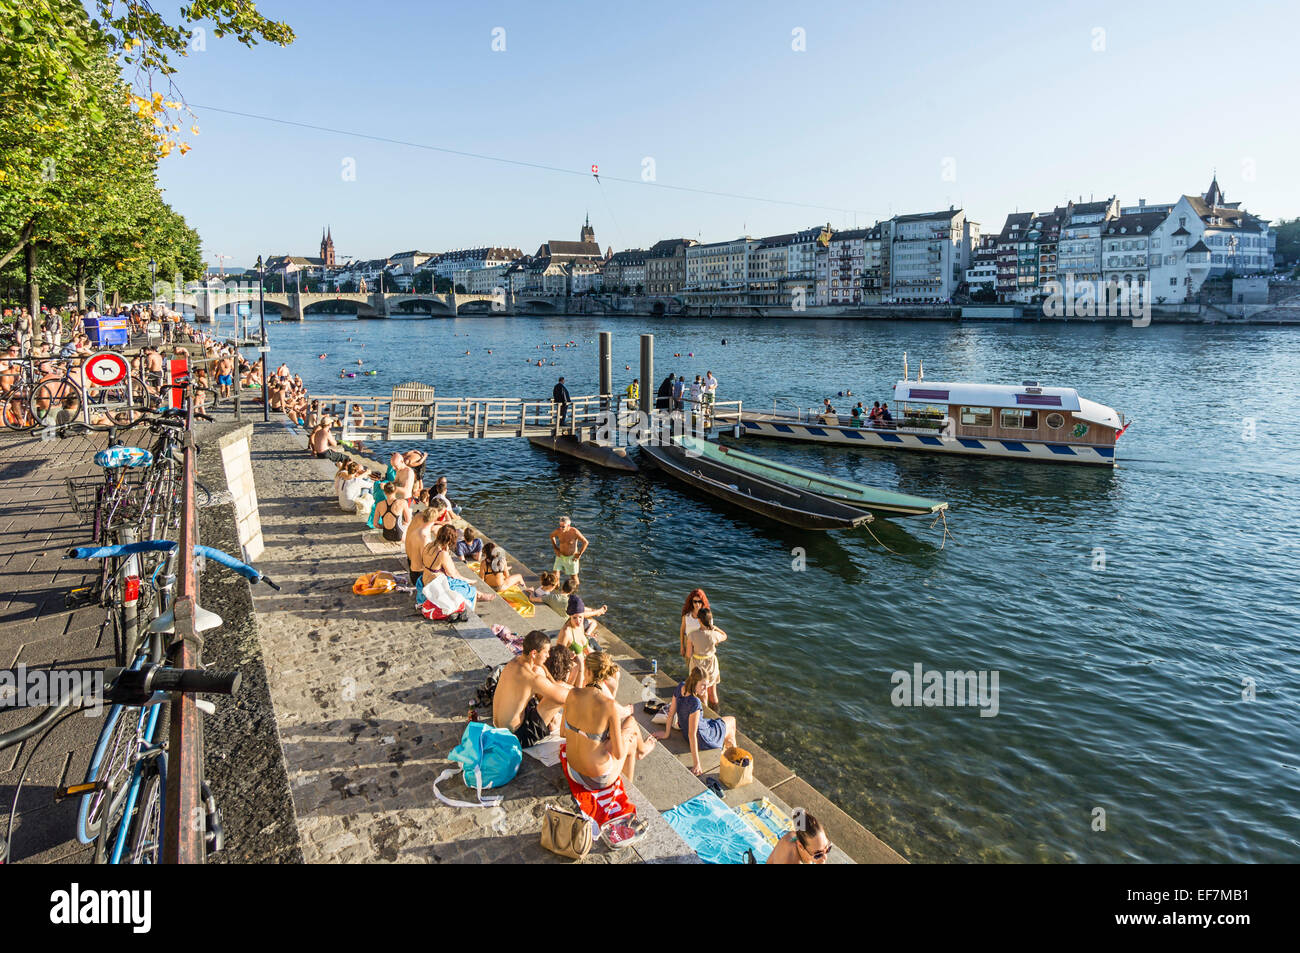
[(1025, 422)]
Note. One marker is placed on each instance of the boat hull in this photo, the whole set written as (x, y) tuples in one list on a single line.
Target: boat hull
[(986, 447), (802, 510)]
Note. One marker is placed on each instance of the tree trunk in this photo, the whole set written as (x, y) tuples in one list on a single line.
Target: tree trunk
[(23, 238), (33, 290), (81, 286)]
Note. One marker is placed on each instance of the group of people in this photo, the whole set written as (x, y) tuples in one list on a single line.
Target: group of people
[(697, 397), (878, 416)]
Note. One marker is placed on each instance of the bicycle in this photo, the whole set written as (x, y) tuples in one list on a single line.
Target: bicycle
[(128, 766), (45, 398), (144, 688)]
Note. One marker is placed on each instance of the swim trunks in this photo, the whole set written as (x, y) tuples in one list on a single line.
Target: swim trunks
[(532, 729), (225, 380), (566, 564)]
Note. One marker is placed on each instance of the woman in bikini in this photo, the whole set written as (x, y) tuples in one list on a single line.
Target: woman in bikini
[(437, 560), (496, 569), (574, 636), (601, 737), (392, 514)]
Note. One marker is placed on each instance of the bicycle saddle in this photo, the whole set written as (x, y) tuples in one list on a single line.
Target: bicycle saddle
[(122, 456), (203, 621)]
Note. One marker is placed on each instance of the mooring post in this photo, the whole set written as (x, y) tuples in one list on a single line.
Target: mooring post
[(647, 373), (606, 368)]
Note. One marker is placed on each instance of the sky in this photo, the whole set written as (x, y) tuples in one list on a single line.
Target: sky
[(885, 109)]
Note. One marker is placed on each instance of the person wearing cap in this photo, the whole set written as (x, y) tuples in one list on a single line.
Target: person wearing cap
[(576, 607)]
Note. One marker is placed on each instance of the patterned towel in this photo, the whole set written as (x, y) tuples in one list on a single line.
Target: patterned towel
[(715, 831)]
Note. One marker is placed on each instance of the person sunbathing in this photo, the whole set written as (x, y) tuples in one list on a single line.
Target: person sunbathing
[(436, 558), (807, 844), (526, 693), (496, 569), (602, 739), (392, 515), (563, 666)]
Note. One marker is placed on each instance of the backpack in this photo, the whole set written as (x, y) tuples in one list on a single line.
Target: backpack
[(488, 758)]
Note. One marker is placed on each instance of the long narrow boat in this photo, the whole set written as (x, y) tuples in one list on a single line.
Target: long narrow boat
[(857, 495), (794, 507)]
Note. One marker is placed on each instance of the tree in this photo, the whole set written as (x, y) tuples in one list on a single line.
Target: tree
[(78, 143)]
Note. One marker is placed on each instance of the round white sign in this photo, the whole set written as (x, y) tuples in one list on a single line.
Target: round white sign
[(106, 369)]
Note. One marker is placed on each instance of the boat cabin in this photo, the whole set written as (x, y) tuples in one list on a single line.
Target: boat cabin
[(1030, 412)]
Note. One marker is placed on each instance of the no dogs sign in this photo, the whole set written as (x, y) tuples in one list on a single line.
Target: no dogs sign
[(106, 369)]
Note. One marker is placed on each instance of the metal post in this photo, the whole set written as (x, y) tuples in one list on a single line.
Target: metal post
[(606, 368), (263, 349), (647, 373), (182, 838)]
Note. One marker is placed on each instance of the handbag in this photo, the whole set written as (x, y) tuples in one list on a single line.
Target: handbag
[(566, 833)]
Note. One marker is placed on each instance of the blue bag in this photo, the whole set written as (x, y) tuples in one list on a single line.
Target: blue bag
[(489, 758)]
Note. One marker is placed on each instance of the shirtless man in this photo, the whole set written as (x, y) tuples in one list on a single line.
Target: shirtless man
[(807, 845), (418, 535), (569, 545), (322, 441), (225, 375), (528, 700), (153, 365), (10, 368), (405, 478), (282, 372)]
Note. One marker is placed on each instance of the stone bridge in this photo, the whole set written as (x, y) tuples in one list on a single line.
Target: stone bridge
[(210, 303)]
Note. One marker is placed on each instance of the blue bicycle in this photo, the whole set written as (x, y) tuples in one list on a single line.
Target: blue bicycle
[(122, 796)]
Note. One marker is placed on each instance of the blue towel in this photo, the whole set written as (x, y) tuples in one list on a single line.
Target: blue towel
[(715, 831)]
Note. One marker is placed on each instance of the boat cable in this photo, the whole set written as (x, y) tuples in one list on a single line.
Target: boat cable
[(947, 534), (867, 527)]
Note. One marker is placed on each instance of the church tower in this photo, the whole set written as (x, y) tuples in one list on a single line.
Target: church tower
[(1214, 195), (327, 248), (588, 233)]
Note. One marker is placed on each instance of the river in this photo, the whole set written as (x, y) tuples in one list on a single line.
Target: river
[(1142, 622)]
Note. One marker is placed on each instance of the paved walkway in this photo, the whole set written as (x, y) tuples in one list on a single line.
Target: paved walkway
[(37, 526), (370, 698)]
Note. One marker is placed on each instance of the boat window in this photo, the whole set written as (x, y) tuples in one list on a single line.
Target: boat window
[(1055, 421), (977, 416), (1017, 419)]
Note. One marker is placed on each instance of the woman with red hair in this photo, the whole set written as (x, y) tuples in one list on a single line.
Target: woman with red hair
[(695, 602)]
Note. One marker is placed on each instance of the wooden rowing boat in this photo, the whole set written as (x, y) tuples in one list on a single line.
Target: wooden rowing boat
[(785, 504), (858, 495)]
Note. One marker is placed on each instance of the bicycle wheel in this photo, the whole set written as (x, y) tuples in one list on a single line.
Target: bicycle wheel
[(111, 763), (146, 828), (17, 411), (56, 403), (119, 405)]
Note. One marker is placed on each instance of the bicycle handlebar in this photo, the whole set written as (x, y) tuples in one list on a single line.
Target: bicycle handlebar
[(165, 545)]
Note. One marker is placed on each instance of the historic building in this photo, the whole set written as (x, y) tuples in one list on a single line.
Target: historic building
[(665, 266)]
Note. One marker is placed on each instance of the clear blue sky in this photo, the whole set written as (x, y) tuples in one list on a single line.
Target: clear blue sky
[(863, 120)]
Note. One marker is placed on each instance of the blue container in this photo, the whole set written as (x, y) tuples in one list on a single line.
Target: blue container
[(107, 331)]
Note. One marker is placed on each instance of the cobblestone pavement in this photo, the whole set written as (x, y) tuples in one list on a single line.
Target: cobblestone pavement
[(37, 526), (370, 697)]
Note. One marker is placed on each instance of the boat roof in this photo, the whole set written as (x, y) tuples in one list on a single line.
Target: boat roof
[(1006, 395), (986, 395)]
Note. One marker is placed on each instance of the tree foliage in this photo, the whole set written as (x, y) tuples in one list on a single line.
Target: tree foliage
[(82, 128)]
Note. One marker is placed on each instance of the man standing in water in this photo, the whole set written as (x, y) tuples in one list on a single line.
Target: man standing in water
[(561, 396), (569, 545)]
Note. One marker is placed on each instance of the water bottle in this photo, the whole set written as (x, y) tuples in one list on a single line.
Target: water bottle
[(654, 666)]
